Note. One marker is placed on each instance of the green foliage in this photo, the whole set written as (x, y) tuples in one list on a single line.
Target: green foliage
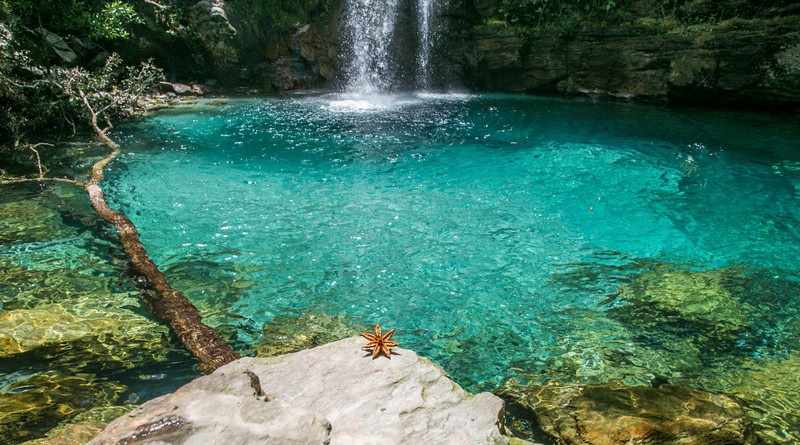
[(561, 14), (111, 92), (114, 21), (544, 12)]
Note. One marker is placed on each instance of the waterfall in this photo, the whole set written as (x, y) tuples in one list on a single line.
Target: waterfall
[(424, 16), (369, 28), (378, 42)]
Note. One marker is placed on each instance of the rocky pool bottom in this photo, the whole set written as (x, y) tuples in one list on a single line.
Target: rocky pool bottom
[(685, 356)]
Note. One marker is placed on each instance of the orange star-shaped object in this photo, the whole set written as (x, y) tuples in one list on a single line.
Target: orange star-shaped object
[(378, 343)]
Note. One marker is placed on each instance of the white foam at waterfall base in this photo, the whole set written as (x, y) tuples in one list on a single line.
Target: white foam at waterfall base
[(367, 102)]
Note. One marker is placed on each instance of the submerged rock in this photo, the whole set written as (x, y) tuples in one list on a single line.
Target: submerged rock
[(291, 334), (29, 221), (616, 414), (32, 405), (594, 349), (80, 429), (331, 394), (699, 297), (770, 391), (103, 337), (82, 279)]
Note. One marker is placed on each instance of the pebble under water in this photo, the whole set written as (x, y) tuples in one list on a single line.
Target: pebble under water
[(504, 237)]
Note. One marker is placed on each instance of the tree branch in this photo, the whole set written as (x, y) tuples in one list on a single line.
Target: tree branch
[(24, 180), (157, 5)]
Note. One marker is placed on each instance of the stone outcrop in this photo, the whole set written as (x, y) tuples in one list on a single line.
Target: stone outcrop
[(616, 414), (208, 19), (331, 394), (751, 62)]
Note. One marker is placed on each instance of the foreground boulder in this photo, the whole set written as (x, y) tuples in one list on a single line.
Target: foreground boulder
[(331, 394), (616, 414)]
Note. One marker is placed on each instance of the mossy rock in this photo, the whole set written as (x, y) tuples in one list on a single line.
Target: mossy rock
[(82, 428), (31, 406), (698, 297), (25, 288), (29, 221), (618, 414), (86, 333), (291, 334), (593, 349), (770, 391)]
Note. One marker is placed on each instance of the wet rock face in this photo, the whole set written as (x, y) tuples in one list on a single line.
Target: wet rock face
[(749, 63), (208, 19), (614, 415), (331, 394)]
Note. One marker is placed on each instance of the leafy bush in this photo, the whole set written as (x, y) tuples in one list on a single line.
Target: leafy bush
[(114, 21)]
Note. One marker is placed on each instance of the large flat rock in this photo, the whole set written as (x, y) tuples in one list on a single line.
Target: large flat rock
[(331, 394)]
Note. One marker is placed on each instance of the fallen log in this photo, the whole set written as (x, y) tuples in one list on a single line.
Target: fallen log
[(167, 303)]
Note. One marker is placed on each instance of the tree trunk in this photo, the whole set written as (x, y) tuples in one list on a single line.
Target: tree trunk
[(167, 303)]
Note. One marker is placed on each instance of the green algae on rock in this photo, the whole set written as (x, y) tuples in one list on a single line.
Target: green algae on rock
[(618, 414), (29, 221), (770, 391), (698, 297), (594, 349), (291, 334), (82, 428), (31, 405), (87, 280), (87, 333)]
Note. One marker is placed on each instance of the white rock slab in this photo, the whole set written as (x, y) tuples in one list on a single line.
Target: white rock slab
[(327, 395)]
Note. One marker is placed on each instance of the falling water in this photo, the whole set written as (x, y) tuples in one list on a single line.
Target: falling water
[(424, 14), (369, 29)]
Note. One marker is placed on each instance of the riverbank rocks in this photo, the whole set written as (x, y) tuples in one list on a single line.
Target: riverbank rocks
[(30, 405), (331, 394), (616, 414), (291, 334)]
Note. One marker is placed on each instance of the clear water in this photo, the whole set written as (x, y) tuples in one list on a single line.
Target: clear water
[(503, 236), (491, 231)]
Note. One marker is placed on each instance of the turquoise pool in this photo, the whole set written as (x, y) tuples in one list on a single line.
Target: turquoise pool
[(503, 236)]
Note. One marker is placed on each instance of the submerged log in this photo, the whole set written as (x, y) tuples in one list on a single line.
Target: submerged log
[(167, 303)]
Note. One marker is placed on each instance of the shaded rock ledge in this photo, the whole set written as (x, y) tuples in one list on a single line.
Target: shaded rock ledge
[(331, 394)]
